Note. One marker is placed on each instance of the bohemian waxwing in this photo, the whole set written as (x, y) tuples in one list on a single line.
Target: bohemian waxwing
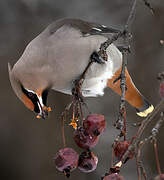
[(59, 55)]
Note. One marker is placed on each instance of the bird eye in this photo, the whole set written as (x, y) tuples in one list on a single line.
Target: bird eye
[(31, 95)]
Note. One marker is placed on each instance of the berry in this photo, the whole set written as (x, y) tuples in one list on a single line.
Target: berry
[(87, 162), (113, 176), (66, 160), (161, 89), (159, 177), (120, 148), (84, 140), (94, 124)]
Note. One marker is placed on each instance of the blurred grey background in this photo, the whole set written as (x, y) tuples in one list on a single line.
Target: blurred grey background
[(27, 145)]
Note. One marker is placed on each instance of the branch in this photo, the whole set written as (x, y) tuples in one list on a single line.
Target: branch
[(131, 16), (140, 168), (156, 156), (121, 122), (149, 6), (152, 137), (142, 128)]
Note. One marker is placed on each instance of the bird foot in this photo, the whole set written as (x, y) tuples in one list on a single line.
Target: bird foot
[(95, 57)]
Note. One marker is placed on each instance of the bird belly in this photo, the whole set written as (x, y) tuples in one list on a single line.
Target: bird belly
[(95, 81), (96, 77), (96, 88)]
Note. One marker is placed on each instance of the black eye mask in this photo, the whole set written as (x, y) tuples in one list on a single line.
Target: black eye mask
[(33, 97)]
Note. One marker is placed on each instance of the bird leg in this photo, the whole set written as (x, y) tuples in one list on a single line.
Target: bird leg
[(95, 57), (76, 90)]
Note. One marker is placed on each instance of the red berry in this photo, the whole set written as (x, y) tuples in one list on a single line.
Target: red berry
[(113, 176), (94, 124), (159, 177), (87, 162), (120, 148), (161, 89), (66, 160), (84, 140)]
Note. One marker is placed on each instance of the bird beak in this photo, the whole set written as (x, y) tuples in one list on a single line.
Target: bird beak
[(43, 113), (43, 109)]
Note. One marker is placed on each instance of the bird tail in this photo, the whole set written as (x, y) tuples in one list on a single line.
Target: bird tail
[(132, 96)]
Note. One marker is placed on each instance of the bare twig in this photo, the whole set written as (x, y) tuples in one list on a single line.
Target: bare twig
[(121, 122), (63, 117), (140, 168), (156, 156), (112, 159), (138, 162), (152, 137), (106, 44), (122, 116), (149, 6), (155, 130), (63, 133), (138, 154), (144, 124), (131, 16), (144, 172), (124, 33)]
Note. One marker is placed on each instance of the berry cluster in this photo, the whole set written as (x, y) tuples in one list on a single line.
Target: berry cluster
[(86, 137)]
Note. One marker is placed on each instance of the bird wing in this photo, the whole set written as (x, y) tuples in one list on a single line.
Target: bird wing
[(86, 28)]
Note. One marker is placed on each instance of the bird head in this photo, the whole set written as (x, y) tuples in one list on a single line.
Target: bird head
[(33, 98)]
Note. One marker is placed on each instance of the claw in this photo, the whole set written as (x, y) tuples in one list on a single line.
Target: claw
[(96, 58)]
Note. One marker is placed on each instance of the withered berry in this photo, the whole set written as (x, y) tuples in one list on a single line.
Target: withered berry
[(113, 176), (66, 160), (161, 89), (159, 177), (85, 140), (94, 124), (120, 148), (87, 161)]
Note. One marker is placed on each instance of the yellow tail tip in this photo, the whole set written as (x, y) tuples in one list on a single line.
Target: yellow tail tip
[(146, 111)]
